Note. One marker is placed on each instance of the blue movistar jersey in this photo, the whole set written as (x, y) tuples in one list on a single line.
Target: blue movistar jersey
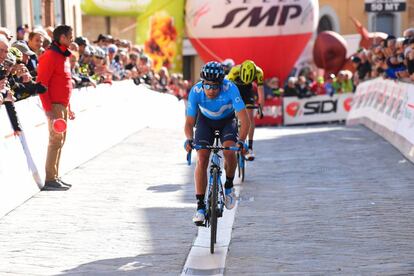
[(227, 101)]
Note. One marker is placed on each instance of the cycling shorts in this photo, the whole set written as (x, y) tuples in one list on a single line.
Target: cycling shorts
[(205, 127), (247, 94)]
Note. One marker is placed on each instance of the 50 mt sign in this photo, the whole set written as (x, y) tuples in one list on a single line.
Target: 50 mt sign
[(385, 5)]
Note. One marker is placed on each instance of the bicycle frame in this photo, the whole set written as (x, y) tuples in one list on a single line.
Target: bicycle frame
[(215, 164)]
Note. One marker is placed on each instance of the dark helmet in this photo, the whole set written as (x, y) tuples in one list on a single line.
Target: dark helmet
[(80, 40), (212, 71)]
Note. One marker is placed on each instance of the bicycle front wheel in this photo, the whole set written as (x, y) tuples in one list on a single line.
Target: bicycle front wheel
[(213, 210), (241, 163)]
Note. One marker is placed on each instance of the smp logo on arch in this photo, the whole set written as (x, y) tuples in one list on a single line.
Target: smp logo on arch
[(255, 15)]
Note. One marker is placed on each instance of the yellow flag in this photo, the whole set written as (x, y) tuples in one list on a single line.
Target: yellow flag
[(160, 29)]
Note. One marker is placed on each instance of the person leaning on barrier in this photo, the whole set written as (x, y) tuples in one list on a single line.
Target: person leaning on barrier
[(145, 75), (291, 89), (86, 62), (83, 44), (271, 88), (27, 56), (7, 96), (8, 101), (302, 88), (54, 73), (19, 78), (102, 74), (78, 78), (35, 43)]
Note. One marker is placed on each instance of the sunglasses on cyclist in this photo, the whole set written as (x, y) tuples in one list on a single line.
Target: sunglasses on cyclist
[(211, 86)]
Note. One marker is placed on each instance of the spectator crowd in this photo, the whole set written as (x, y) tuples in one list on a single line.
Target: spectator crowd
[(390, 58), (108, 59), (103, 61)]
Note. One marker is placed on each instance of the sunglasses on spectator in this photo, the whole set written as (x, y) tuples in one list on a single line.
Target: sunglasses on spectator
[(211, 86)]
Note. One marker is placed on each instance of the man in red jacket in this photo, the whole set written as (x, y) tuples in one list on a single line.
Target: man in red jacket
[(54, 72)]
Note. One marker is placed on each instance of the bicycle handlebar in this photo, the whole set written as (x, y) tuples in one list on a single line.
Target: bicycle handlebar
[(197, 147)]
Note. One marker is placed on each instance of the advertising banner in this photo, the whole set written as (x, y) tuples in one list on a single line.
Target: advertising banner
[(316, 109), (405, 127), (160, 26), (271, 33), (386, 103), (161, 29), (114, 7), (272, 113)]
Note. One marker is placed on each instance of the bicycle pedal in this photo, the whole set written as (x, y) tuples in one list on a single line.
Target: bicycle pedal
[(200, 223)]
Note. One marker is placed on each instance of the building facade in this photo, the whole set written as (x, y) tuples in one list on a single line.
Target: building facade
[(14, 13), (390, 16)]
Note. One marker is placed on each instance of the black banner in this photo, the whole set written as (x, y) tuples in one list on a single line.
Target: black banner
[(385, 6)]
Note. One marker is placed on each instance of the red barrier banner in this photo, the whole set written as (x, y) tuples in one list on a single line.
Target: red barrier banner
[(272, 113)]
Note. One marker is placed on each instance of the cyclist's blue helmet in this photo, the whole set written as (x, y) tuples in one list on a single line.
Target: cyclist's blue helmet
[(212, 71)]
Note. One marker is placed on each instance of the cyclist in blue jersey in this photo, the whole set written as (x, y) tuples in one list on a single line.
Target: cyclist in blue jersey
[(213, 104)]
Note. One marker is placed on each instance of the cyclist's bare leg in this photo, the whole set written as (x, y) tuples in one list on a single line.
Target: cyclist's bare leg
[(252, 125), (230, 160), (200, 172)]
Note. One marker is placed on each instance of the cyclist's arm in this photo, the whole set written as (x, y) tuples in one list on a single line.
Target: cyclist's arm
[(260, 89), (244, 123), (241, 112), (191, 113), (260, 93), (189, 127)]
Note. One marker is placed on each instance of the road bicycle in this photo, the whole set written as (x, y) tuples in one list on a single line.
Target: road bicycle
[(214, 199), (241, 160)]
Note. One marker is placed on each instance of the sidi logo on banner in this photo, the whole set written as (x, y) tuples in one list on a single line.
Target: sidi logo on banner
[(313, 107), (321, 107), (316, 109)]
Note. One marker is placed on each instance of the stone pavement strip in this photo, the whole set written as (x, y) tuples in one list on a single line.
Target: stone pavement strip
[(324, 201), (128, 213)]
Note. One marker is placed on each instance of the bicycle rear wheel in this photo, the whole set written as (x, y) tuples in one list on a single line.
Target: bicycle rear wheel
[(238, 164), (213, 210)]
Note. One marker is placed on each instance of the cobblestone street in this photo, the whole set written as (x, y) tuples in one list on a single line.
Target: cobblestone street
[(319, 200)]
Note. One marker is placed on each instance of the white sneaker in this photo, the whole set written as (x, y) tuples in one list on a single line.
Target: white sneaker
[(199, 217), (250, 155), (230, 199)]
